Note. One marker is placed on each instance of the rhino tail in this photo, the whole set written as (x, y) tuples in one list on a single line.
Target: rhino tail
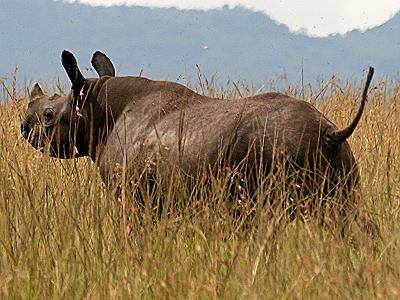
[(339, 136)]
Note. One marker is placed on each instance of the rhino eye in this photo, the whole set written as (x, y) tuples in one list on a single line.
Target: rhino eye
[(48, 115)]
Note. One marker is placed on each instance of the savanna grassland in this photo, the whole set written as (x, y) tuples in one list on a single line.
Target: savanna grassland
[(63, 235)]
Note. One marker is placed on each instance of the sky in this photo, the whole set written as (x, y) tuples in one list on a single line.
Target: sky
[(312, 17)]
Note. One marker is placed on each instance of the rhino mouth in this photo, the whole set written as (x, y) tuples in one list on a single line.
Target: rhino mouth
[(36, 138), (62, 151), (45, 142)]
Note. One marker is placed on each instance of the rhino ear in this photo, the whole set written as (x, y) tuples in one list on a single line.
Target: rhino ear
[(102, 64), (35, 92), (71, 67)]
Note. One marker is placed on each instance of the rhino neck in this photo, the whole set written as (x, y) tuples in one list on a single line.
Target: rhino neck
[(143, 99), (90, 128), (105, 102)]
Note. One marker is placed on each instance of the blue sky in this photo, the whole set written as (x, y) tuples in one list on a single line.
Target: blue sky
[(313, 17)]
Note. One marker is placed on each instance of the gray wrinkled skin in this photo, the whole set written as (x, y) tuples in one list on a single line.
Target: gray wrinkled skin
[(134, 121)]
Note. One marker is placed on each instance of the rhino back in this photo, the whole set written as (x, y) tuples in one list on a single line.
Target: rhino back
[(180, 125)]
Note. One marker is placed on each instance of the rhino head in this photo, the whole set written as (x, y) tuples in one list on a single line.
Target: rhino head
[(53, 122)]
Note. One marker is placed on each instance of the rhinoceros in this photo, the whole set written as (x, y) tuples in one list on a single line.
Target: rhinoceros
[(138, 122)]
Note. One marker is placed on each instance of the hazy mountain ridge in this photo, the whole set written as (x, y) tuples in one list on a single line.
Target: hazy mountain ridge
[(242, 44)]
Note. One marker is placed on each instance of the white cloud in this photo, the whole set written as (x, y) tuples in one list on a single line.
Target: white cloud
[(316, 17)]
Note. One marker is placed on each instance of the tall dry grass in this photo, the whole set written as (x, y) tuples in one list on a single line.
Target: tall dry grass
[(63, 235)]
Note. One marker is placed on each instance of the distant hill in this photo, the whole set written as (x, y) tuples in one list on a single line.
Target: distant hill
[(234, 43)]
